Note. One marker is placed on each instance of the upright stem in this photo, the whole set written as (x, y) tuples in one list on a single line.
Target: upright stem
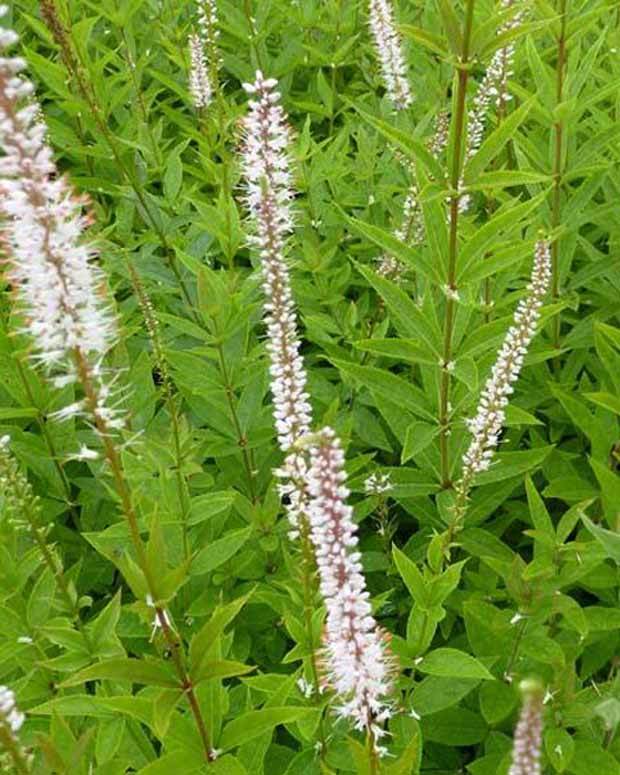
[(173, 642), (308, 565), (373, 756), (247, 6), (58, 572), (49, 442), (152, 326), (558, 129), (333, 66), (242, 440), (455, 178)]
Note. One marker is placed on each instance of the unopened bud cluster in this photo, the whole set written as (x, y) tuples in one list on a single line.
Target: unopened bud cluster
[(204, 54)]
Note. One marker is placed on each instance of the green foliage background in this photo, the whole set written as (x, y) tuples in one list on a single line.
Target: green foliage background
[(533, 586)]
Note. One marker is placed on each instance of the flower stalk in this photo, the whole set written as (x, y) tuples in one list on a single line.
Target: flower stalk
[(205, 59), (62, 37), (358, 665), (487, 424), (558, 165), (269, 194), (460, 118)]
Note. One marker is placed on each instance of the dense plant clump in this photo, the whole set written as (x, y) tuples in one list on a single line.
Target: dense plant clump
[(309, 418)]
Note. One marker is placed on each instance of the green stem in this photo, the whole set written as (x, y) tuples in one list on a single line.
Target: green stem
[(309, 608), (558, 129), (515, 649), (152, 326), (455, 178), (49, 442), (242, 440), (373, 756), (247, 7)]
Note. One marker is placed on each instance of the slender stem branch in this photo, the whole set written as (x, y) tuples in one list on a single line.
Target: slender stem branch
[(112, 456), (242, 440), (152, 326), (49, 442), (247, 7), (308, 566), (558, 130), (373, 756), (455, 179)]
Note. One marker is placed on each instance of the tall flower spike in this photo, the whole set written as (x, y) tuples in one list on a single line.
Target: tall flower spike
[(388, 46), (486, 426), (199, 82), (528, 732), (205, 59), (358, 664), (493, 88), (58, 287), (439, 140), (269, 193), (491, 93)]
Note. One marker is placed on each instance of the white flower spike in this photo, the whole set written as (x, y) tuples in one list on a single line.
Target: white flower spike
[(487, 425), (358, 664), (58, 286), (269, 193), (528, 733), (388, 46)]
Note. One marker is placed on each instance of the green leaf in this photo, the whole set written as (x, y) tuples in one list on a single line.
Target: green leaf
[(394, 247), (608, 540), (451, 25), (496, 141), (222, 668), (448, 662), (249, 725), (412, 577), (538, 510), (432, 42), (436, 693), (218, 552), (140, 671), (497, 701), (404, 141), (502, 222), (388, 385), (559, 747), (211, 630), (509, 464), (408, 350), (606, 400), (408, 318), (454, 727), (419, 436)]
